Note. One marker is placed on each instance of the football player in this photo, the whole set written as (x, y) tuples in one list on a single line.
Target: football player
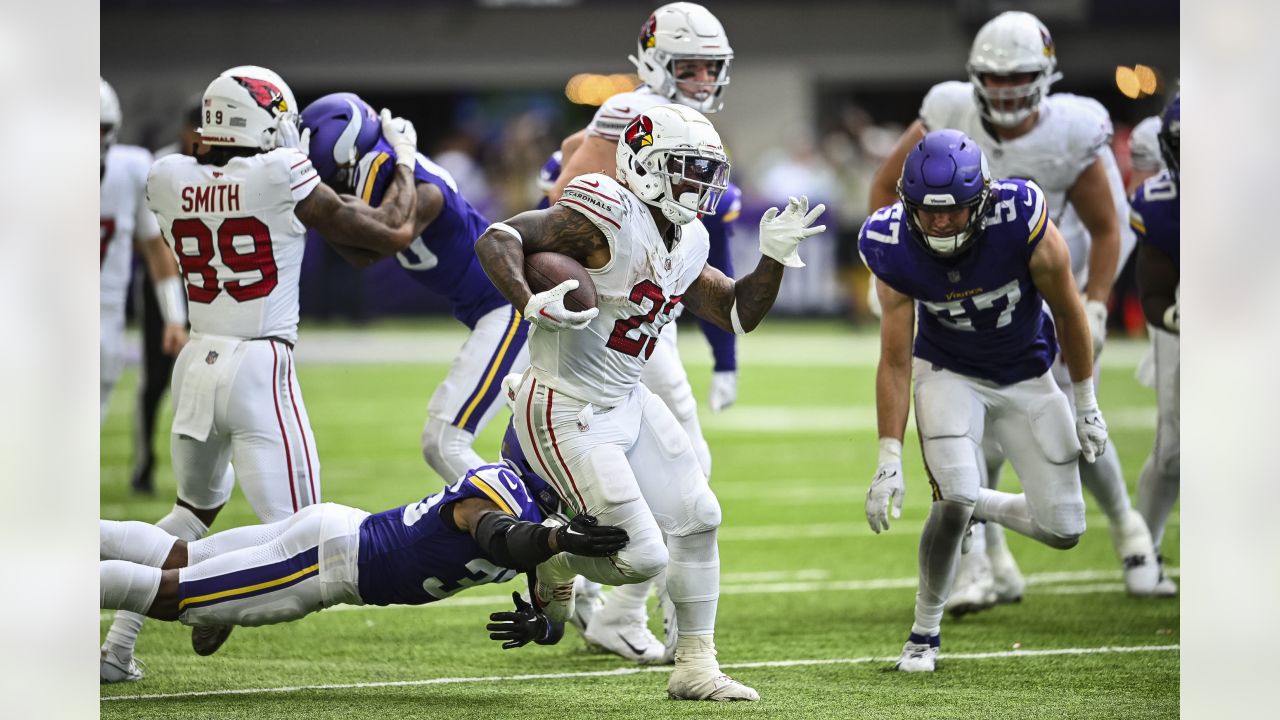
[(980, 259), (605, 442), (236, 216), (352, 157), (682, 56), (1062, 142), (126, 222), (484, 528), (1155, 218)]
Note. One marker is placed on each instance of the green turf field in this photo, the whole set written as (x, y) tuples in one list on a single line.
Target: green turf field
[(814, 607)]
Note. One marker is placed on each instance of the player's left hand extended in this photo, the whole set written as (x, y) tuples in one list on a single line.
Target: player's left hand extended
[(174, 338), (525, 625), (781, 233), (1096, 312), (584, 535), (402, 136), (1092, 431), (724, 390), (886, 487)]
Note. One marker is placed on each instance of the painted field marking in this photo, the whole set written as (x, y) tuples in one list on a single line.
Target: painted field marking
[(950, 657)]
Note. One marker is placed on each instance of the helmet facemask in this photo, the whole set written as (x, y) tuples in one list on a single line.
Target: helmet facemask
[(708, 96), (956, 243), (1017, 45), (670, 156), (946, 172), (679, 32), (1009, 104), (701, 181)]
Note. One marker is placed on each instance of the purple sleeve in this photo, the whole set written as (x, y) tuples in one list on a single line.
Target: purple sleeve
[(724, 344)]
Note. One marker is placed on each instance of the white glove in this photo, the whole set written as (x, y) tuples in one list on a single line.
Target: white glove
[(724, 390), (287, 132), (781, 233), (547, 311), (1096, 311), (1090, 427), (402, 136), (886, 486)]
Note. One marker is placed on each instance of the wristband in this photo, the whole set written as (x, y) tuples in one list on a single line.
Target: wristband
[(890, 451), (734, 321), (1083, 392), (408, 159), (172, 298)]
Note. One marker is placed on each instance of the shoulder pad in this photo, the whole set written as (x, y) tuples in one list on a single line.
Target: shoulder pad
[(881, 232), (1088, 125), (943, 103), (618, 111), (598, 197)]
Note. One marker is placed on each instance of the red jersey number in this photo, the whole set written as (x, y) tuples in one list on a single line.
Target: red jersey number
[(621, 340), (194, 242)]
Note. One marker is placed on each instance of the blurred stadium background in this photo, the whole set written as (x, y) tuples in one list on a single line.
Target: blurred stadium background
[(820, 91)]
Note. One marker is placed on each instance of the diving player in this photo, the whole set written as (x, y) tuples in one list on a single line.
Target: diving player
[(1062, 142), (979, 260), (351, 157), (484, 528), (1156, 219), (682, 56)]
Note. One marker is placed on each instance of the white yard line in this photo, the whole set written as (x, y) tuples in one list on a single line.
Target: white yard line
[(809, 580), (950, 657)]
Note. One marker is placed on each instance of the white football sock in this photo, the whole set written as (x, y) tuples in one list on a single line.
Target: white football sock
[(627, 600), (938, 558), (1157, 494), (124, 585), (123, 634), (137, 542), (693, 581), (1104, 480)]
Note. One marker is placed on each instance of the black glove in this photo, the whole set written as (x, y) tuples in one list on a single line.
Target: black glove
[(516, 629), (585, 536)]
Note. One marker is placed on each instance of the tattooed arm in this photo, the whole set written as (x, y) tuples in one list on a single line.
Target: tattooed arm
[(355, 224), (555, 229), (713, 296)]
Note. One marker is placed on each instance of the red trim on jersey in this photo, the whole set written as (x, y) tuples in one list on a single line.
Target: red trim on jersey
[(556, 446), (275, 396), (591, 210), (617, 117), (300, 162), (314, 176), (593, 192), (302, 430)]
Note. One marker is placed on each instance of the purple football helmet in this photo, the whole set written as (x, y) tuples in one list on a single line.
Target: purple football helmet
[(343, 128), (1171, 134), (946, 171)]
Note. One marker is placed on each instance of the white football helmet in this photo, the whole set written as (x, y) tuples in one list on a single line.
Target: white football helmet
[(245, 107), (669, 149), (1011, 43), (109, 116), (683, 31)]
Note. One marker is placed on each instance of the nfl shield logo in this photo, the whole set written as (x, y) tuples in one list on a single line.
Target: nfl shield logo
[(953, 275), (212, 357)]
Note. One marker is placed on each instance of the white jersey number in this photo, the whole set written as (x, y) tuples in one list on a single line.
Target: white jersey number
[(954, 313)]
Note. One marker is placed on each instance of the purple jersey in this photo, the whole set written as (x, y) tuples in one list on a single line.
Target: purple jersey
[(1155, 215), (979, 314), (410, 555), (443, 258)]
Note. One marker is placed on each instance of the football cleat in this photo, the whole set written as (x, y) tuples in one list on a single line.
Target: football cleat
[(626, 635), (115, 669), (974, 587), (206, 639), (697, 675), (1006, 577), (919, 654), (555, 601), (1133, 544)]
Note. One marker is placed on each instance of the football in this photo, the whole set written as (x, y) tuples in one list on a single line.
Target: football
[(546, 270)]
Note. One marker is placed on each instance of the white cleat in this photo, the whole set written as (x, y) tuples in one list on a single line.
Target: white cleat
[(919, 654), (206, 639), (587, 600), (974, 587), (1165, 586), (697, 675), (1133, 544), (115, 669), (625, 635), (1006, 577)]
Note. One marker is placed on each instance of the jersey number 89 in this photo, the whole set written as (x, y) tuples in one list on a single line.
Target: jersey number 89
[(197, 266)]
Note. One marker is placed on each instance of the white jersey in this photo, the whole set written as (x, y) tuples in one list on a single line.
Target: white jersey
[(1071, 133), (1144, 146), (638, 292), (618, 111), (124, 218), (237, 239)]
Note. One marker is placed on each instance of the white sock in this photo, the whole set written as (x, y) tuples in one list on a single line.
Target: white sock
[(123, 634), (628, 600), (1104, 480), (1157, 494), (938, 558), (693, 581), (137, 542), (124, 585)]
